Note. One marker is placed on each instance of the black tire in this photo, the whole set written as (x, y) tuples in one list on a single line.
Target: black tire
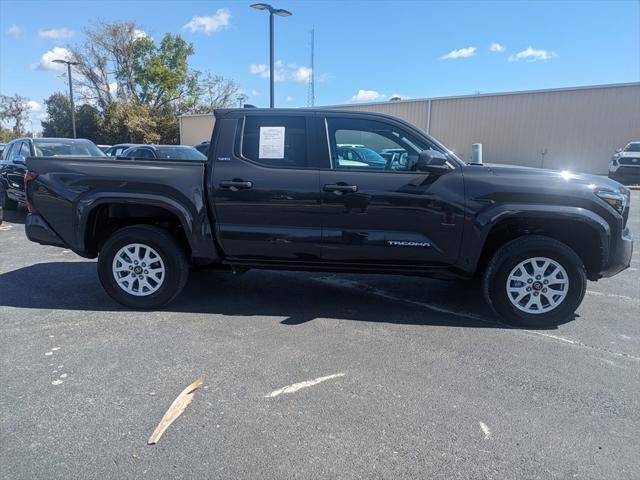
[(5, 201), (507, 257), (167, 247)]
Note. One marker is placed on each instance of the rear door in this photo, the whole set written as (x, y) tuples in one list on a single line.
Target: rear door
[(265, 188), (377, 209), (16, 168)]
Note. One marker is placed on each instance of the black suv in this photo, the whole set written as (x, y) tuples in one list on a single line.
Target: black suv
[(13, 168)]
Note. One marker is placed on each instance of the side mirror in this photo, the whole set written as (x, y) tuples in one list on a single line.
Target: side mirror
[(20, 160), (618, 150), (432, 161)]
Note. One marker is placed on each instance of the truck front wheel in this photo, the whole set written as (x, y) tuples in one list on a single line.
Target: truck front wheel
[(142, 267), (535, 281)]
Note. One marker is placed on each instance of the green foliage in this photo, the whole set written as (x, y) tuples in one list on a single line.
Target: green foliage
[(134, 89), (58, 123)]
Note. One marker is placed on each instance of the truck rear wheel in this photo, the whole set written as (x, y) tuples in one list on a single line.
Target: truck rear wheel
[(142, 267), (535, 281)]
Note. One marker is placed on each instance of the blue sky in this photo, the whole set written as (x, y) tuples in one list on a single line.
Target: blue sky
[(365, 50)]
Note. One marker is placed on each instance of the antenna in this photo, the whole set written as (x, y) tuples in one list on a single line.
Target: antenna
[(311, 95)]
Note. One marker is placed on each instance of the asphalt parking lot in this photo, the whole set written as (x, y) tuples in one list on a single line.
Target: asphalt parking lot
[(424, 382)]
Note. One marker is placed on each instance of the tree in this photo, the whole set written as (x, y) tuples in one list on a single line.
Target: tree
[(14, 109), (133, 89), (58, 123)]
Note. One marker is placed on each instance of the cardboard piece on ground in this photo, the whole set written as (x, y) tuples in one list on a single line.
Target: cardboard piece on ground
[(175, 410)]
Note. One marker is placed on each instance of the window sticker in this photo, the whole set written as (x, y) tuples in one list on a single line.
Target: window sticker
[(271, 142)]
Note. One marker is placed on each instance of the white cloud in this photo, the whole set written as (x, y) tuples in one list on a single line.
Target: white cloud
[(46, 60), (137, 33), (263, 70), (113, 88), (532, 55), (496, 47), (34, 106), (289, 98), (214, 23), (255, 93), (460, 53), (367, 96), (55, 33), (14, 30), (302, 74)]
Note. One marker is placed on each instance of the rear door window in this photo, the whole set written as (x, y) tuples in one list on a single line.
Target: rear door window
[(275, 141)]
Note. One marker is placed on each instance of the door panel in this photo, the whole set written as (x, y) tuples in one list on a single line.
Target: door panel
[(383, 212), (393, 218), (266, 213)]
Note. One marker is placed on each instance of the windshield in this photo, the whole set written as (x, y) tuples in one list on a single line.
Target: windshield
[(179, 153), (370, 155), (66, 148), (632, 147)]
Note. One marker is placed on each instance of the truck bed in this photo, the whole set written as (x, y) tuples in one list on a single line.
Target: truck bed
[(68, 189)]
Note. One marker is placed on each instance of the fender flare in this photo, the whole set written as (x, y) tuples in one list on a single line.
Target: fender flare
[(195, 226), (487, 220)]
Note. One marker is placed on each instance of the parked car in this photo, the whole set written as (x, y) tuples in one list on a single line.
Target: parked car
[(625, 164), (13, 168), (104, 148), (274, 195), (203, 148), (163, 152), (116, 150), (360, 155)]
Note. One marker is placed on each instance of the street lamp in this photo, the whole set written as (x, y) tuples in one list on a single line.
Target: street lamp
[(73, 108), (281, 13)]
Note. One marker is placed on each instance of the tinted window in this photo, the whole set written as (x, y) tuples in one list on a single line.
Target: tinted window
[(25, 151), (64, 148), (6, 154), (15, 151), (179, 153), (371, 145), (275, 141), (632, 147), (140, 153)]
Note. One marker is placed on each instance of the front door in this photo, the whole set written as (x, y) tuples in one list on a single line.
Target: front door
[(265, 188), (377, 209)]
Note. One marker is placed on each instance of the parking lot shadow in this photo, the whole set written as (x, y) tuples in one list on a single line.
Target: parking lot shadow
[(298, 297), (14, 216)]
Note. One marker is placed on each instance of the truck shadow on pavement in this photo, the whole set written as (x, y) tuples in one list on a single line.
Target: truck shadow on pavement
[(298, 297)]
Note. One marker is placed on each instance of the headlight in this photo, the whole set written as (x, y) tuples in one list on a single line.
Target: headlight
[(617, 200)]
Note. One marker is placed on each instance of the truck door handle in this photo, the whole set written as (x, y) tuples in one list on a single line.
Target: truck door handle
[(340, 187), (235, 185)]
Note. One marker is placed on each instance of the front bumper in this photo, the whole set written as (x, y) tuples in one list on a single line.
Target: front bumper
[(621, 251), (39, 231), (625, 174)]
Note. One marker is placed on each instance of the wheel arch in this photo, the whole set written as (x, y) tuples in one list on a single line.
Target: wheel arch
[(128, 210), (583, 231)]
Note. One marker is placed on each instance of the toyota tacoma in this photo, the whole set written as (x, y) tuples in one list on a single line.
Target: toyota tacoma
[(274, 195)]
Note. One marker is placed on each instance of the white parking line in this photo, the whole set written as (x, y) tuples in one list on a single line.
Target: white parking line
[(485, 430), (345, 283), (298, 386), (612, 295)]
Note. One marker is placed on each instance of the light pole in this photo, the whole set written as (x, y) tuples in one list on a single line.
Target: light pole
[(281, 13), (73, 108)]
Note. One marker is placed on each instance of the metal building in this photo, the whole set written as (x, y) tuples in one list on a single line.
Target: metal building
[(574, 129)]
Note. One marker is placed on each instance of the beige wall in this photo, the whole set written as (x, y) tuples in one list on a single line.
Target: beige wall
[(195, 129), (567, 129), (575, 130)]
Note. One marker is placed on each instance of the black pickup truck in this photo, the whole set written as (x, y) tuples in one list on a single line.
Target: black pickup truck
[(276, 193)]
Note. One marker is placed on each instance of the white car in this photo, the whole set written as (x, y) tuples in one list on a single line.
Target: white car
[(625, 164)]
